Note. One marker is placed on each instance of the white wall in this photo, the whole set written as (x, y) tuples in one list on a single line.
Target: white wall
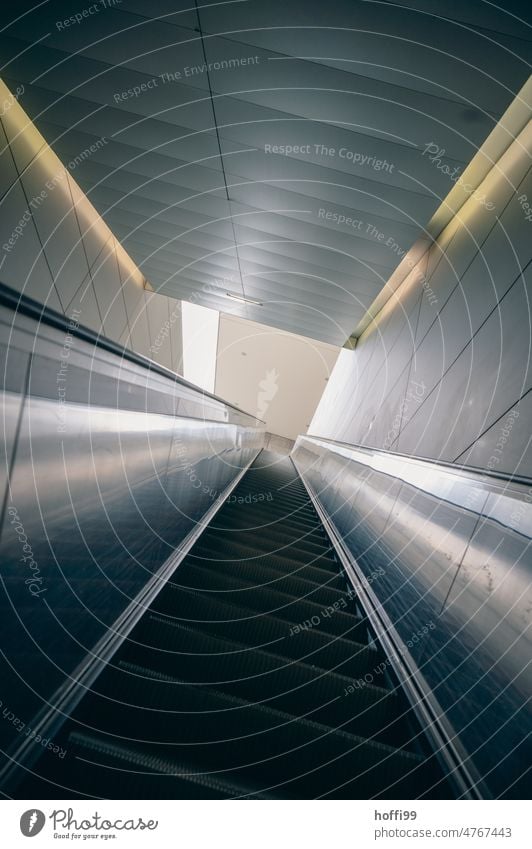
[(274, 375), (200, 342), (443, 370), (55, 248)]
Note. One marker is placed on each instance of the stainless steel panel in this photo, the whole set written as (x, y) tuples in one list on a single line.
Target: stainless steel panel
[(335, 395), (484, 643), (426, 537), (388, 394), (132, 288), (494, 269), (449, 549), (176, 335), (504, 254), (115, 465), (469, 235), (382, 426), (13, 381), (10, 406), (435, 255)]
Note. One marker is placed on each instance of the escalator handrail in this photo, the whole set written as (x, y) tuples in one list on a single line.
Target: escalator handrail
[(24, 305), (415, 458)]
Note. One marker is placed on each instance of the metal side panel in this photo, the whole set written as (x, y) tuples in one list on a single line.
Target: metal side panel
[(110, 470), (448, 567)]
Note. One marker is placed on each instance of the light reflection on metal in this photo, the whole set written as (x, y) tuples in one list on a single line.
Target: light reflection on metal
[(244, 299), (101, 485), (455, 548)]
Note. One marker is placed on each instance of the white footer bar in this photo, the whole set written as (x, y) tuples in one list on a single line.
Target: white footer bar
[(316, 824)]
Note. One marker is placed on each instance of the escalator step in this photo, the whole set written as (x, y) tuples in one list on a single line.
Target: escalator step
[(297, 688), (332, 575), (302, 578), (219, 585), (303, 512), (270, 539), (299, 755), (126, 772), (293, 583), (283, 556), (264, 517), (267, 632), (280, 526)]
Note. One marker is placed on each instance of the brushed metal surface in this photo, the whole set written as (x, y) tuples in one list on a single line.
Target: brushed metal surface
[(447, 548), (114, 464)]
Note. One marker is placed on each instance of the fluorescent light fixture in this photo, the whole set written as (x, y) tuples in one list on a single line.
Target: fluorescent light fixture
[(244, 299), (200, 342)]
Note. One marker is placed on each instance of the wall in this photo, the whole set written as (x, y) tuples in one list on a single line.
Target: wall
[(275, 375), (443, 363), (56, 248)]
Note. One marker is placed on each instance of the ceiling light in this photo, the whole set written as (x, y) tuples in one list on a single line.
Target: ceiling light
[(244, 299)]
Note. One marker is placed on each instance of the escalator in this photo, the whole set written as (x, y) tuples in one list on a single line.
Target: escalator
[(245, 677)]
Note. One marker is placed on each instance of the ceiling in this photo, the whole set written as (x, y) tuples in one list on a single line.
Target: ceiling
[(182, 171)]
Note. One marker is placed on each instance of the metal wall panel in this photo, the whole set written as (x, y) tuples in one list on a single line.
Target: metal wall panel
[(517, 447), (485, 381), (468, 347), (84, 306), (23, 138), (8, 172), (24, 265), (46, 185), (108, 290), (157, 307)]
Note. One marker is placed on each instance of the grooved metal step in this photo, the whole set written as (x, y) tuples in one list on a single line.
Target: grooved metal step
[(257, 676), (283, 555), (249, 574), (265, 600), (269, 632)]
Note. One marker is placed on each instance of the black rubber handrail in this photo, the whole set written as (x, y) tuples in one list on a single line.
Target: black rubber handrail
[(20, 303)]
